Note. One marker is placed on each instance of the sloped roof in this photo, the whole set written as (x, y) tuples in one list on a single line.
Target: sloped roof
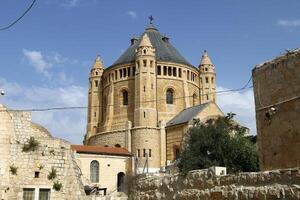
[(187, 114), (101, 150), (163, 49)]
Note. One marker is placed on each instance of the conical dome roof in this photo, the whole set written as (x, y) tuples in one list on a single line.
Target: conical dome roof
[(205, 60), (164, 51)]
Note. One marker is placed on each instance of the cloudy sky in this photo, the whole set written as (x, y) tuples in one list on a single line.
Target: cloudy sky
[(46, 57)]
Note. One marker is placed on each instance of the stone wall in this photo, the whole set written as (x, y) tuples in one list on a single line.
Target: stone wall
[(33, 167), (277, 102), (203, 184)]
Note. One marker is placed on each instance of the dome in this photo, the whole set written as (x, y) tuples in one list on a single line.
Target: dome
[(163, 49)]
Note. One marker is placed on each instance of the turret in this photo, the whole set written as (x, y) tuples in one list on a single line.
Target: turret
[(145, 113), (95, 97), (207, 80)]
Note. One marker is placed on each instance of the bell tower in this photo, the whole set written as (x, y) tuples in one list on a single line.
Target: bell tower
[(95, 97), (207, 80), (145, 113)]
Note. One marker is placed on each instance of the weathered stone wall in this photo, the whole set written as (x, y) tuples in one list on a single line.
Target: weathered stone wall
[(277, 101), (15, 130), (202, 184)]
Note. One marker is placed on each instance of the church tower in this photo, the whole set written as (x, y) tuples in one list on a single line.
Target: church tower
[(95, 97), (207, 79), (145, 113)]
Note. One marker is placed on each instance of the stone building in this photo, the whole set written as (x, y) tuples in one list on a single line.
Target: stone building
[(104, 167), (33, 164), (131, 101), (277, 103)]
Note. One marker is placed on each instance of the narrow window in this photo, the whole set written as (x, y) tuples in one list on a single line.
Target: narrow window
[(151, 85), (112, 76), (144, 51), (96, 83), (149, 153), (144, 88), (151, 63), (138, 153), (128, 70), (145, 63), (212, 80), (133, 71), (174, 71), (94, 171), (144, 152), (179, 72), (206, 79), (200, 79), (28, 194), (144, 114), (158, 70), (95, 114), (96, 73), (125, 98), (116, 75), (120, 71), (44, 194), (188, 75), (165, 70), (206, 69), (169, 96), (207, 97), (124, 72), (169, 71)]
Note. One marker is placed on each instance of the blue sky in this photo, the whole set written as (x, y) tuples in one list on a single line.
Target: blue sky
[(46, 57)]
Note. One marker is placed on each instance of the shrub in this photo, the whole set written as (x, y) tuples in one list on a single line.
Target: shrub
[(13, 170), (31, 145), (52, 174), (57, 186)]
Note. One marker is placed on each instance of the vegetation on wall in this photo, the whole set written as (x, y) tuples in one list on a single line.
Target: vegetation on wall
[(13, 170), (31, 145), (218, 142), (57, 186), (52, 174)]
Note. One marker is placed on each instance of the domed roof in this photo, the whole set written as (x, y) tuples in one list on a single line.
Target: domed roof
[(163, 49)]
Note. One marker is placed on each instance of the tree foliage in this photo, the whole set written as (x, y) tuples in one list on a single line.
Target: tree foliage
[(218, 142)]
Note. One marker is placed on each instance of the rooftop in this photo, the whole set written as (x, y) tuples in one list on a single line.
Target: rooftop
[(163, 49), (117, 151)]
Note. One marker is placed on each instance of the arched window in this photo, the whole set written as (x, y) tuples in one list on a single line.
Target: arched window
[(125, 98), (120, 182), (117, 145), (94, 171), (169, 96)]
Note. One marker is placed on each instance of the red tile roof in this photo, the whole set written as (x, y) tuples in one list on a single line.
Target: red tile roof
[(101, 150)]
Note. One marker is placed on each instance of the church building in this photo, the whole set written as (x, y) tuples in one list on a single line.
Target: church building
[(133, 103)]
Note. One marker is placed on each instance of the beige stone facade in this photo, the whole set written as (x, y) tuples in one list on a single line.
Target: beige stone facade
[(25, 173), (277, 102), (131, 101)]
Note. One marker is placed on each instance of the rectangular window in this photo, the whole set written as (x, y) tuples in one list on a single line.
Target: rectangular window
[(212, 79), (149, 153), (28, 194), (145, 63), (144, 152), (151, 63), (165, 70), (128, 70), (188, 75), (116, 75), (133, 71), (179, 72), (144, 114), (169, 71), (44, 194), (174, 71), (206, 79), (138, 153), (96, 83), (158, 70), (120, 73), (124, 72)]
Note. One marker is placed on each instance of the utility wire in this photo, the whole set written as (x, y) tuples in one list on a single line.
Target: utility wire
[(154, 100), (18, 19)]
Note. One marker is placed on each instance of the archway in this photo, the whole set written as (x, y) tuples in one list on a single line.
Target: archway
[(120, 182)]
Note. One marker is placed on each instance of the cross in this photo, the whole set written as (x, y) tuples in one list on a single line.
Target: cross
[(151, 19)]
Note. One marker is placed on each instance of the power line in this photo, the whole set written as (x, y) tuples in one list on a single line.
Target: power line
[(153, 100), (18, 19)]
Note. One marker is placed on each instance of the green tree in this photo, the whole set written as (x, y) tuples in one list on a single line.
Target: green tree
[(218, 142)]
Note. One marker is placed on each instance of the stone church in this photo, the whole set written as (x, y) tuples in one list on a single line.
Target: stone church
[(147, 99)]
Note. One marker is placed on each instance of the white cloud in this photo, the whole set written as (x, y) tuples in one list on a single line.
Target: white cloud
[(289, 23), (36, 59), (66, 124), (132, 14), (242, 104)]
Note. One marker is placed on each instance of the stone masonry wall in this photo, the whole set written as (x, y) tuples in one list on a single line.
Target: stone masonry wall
[(277, 86), (15, 130), (202, 184)]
